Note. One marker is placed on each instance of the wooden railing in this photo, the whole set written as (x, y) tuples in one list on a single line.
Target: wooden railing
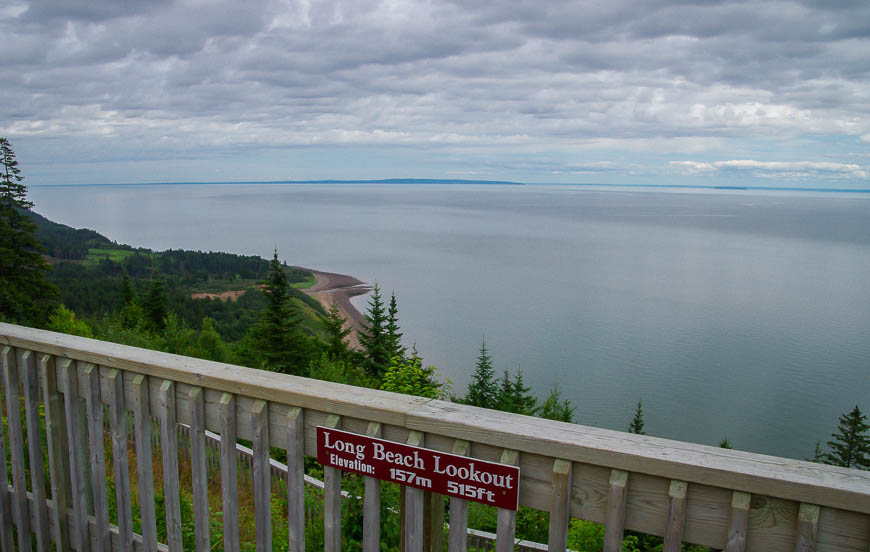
[(720, 498)]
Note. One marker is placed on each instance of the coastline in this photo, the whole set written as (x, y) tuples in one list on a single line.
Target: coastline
[(339, 288)]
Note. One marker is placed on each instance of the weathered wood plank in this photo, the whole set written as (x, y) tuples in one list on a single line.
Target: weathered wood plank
[(58, 464), (27, 372), (778, 477), (16, 448), (561, 504), (6, 527), (229, 473), (372, 504), (332, 500), (98, 458), (78, 454), (169, 453), (296, 479), (616, 502), (414, 507), (676, 517), (807, 528), (118, 428), (199, 470), (458, 536), (144, 467), (262, 473), (740, 503), (506, 524)]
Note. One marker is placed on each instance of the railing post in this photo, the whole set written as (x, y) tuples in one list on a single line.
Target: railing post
[(169, 454), (414, 507), (296, 479), (507, 519), (458, 537), (27, 364), (6, 528), (119, 456), (561, 505), (332, 499), (78, 454), (58, 465), (676, 517), (229, 472), (372, 504), (807, 528), (16, 448), (199, 473), (144, 466), (740, 503), (616, 503), (262, 472), (98, 456)]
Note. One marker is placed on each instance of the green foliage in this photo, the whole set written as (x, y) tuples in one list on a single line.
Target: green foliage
[(154, 303), (339, 371), (850, 447), (26, 296), (556, 408), (515, 396), (408, 376), (336, 333), (636, 425), (394, 336), (483, 390), (725, 444), (64, 320), (374, 338)]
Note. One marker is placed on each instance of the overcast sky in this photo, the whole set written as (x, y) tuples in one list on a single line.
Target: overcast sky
[(609, 91)]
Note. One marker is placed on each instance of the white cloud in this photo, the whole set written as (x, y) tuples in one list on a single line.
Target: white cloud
[(776, 169)]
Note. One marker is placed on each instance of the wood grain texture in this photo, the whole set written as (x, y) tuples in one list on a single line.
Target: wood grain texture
[(199, 470), (332, 499), (807, 528), (144, 467), (118, 429), (372, 504), (20, 506), (229, 475), (676, 516), (296, 479), (560, 506), (262, 473), (458, 536), (737, 529), (617, 499), (506, 523), (77, 446), (6, 526), (166, 414), (30, 385), (58, 465), (94, 406), (413, 521)]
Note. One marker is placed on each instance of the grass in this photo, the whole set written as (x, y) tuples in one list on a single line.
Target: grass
[(116, 255), (310, 280)]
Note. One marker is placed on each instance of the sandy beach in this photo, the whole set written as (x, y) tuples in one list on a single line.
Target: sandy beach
[(339, 288)]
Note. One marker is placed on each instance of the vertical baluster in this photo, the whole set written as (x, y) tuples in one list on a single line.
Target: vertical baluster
[(27, 371), (58, 464), (458, 537), (332, 500), (262, 487), (372, 504), (6, 528), (676, 516), (144, 468), (807, 528), (561, 504), (414, 507), (78, 455), (169, 453), (507, 519), (229, 475), (740, 502), (199, 471), (16, 449), (296, 479), (98, 458), (616, 502), (118, 425)]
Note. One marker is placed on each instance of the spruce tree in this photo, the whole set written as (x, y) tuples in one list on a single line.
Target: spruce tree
[(374, 338), (556, 408), (336, 333), (483, 390), (154, 303), (25, 296), (277, 337), (394, 336), (850, 447), (514, 395), (636, 425)]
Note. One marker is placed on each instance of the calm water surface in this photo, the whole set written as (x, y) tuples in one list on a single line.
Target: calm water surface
[(731, 314)]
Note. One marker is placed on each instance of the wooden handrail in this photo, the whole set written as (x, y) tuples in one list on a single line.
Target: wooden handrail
[(776, 486)]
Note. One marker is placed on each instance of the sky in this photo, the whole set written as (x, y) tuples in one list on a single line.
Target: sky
[(605, 91)]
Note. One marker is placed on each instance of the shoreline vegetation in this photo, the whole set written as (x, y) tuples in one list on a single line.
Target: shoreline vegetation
[(331, 287)]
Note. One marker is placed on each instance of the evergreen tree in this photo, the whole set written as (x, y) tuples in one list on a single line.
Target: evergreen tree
[(483, 390), (514, 395), (636, 425), (25, 296), (154, 303), (128, 293), (850, 447), (374, 338), (209, 343), (394, 336), (556, 408), (336, 333), (408, 376), (277, 337), (725, 444)]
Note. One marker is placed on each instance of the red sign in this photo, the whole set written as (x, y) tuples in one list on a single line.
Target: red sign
[(440, 472)]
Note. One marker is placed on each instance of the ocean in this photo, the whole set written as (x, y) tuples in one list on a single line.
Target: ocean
[(738, 314)]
